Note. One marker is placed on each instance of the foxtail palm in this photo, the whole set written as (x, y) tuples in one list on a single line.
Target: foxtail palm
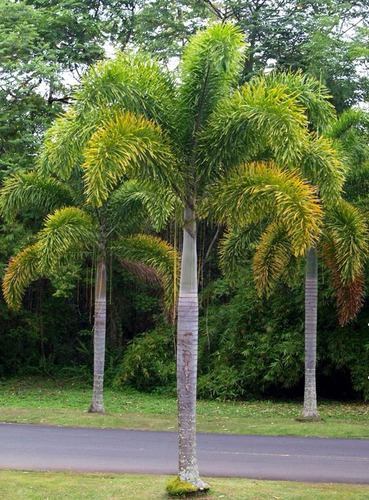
[(71, 231)]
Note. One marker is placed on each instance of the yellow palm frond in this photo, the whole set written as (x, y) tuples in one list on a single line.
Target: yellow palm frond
[(259, 190), (19, 274)]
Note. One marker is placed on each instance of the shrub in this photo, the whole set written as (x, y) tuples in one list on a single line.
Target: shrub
[(149, 361)]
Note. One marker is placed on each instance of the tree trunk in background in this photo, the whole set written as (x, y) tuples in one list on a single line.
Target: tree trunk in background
[(310, 411), (187, 338), (97, 404)]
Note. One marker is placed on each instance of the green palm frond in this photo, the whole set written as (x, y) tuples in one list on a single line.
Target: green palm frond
[(309, 92), (259, 190), (66, 232), (211, 63), (254, 121), (272, 257), (31, 190), (125, 145), (346, 231), (321, 164), (132, 82), (19, 274), (346, 121), (156, 254), (135, 203), (237, 246), (65, 141), (350, 133)]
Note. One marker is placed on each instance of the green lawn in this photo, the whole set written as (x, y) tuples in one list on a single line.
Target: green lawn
[(65, 403), (16, 485)]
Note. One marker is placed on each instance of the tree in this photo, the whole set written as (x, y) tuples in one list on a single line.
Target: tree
[(70, 232), (343, 241)]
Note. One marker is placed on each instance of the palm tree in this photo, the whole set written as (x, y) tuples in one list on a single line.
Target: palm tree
[(204, 128), (342, 245), (69, 232)]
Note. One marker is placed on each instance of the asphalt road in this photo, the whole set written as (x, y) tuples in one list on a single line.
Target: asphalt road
[(36, 447)]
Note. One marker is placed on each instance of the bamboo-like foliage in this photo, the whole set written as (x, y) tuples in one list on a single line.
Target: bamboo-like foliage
[(66, 232), (32, 190), (19, 274), (257, 189), (125, 145), (158, 255)]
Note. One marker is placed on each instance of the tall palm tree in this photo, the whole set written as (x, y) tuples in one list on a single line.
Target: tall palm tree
[(69, 232), (208, 127)]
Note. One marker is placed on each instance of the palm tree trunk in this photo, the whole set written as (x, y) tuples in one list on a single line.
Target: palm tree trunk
[(97, 404), (310, 411), (187, 337)]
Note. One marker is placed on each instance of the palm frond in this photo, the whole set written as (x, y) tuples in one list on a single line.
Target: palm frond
[(135, 203), (349, 296), (65, 141), (350, 133), (272, 257), (19, 274), (156, 254), (66, 232), (309, 92), (346, 121), (31, 190), (321, 164), (132, 82), (255, 121), (211, 63), (258, 190), (237, 246), (125, 145), (346, 230)]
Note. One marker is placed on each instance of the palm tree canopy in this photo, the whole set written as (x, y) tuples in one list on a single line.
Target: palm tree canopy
[(257, 190)]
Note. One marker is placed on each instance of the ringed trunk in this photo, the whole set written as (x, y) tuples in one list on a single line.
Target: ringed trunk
[(310, 411), (97, 404), (187, 338)]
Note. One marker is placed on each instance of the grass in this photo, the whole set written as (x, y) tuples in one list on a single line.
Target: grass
[(41, 401), (16, 485)]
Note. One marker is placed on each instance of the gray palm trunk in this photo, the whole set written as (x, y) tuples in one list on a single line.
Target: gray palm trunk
[(97, 404), (310, 411), (187, 335)]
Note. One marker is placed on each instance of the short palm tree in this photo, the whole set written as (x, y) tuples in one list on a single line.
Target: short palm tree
[(69, 232), (205, 127)]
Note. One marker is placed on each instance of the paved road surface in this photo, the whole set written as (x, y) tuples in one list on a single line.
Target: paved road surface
[(118, 450)]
